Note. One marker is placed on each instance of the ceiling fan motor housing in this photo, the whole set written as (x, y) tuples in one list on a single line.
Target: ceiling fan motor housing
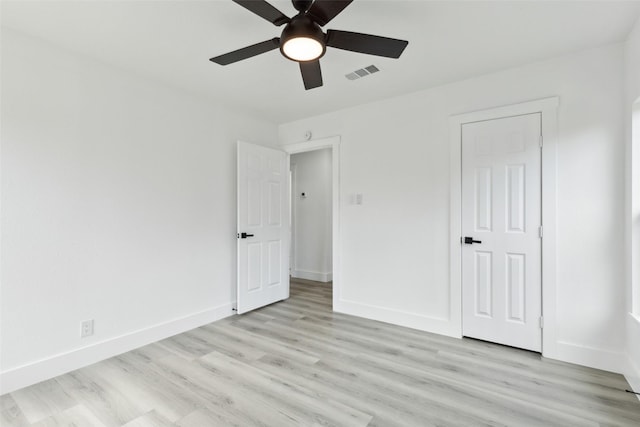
[(301, 26), (302, 5)]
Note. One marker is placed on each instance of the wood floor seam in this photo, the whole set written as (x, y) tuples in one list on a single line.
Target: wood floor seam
[(298, 363)]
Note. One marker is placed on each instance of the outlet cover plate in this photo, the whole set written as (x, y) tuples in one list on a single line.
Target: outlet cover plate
[(86, 328)]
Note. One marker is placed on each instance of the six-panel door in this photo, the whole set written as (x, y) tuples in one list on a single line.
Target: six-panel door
[(263, 215), (501, 208)]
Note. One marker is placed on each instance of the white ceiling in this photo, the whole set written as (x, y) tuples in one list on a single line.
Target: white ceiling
[(171, 41)]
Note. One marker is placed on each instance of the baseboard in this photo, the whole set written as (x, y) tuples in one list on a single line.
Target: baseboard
[(312, 275), (632, 372), (632, 375), (591, 357), (35, 372), (436, 325), (567, 352)]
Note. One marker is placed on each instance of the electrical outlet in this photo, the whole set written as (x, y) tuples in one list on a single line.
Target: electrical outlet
[(86, 328)]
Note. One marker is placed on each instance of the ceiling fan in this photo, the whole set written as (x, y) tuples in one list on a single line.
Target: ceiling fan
[(302, 39)]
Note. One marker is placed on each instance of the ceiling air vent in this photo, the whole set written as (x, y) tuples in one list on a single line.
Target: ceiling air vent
[(362, 72)]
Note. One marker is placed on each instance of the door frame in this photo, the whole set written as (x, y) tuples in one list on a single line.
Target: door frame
[(292, 223), (332, 143), (548, 108)]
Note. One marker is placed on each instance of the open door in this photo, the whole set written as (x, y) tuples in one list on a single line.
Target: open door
[(263, 226)]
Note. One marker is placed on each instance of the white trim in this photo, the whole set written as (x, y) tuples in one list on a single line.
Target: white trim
[(292, 215), (592, 357), (421, 322), (333, 143), (633, 375), (316, 144), (549, 110), (634, 208), (40, 370), (316, 276), (632, 371)]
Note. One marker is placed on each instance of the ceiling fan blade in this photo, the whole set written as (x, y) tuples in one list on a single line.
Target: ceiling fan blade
[(366, 43), (311, 74), (264, 10), (323, 11), (247, 52)]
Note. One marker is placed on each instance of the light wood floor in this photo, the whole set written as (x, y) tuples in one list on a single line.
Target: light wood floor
[(297, 363)]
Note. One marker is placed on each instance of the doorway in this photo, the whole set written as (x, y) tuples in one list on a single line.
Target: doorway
[(311, 203), (547, 109), (315, 249)]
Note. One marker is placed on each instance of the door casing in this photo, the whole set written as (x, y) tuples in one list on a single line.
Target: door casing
[(334, 144), (548, 108)]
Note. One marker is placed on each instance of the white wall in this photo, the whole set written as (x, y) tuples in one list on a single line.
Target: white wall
[(118, 204), (395, 247), (631, 95), (312, 215)]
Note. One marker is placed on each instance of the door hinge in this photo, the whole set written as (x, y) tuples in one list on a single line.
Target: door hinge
[(541, 322), (540, 232), (541, 141)]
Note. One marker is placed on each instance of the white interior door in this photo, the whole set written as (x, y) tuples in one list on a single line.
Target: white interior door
[(263, 226), (501, 220)]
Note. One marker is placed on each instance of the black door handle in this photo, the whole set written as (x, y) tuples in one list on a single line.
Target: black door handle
[(245, 235), (470, 241)]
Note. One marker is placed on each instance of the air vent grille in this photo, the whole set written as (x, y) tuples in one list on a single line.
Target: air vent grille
[(362, 72)]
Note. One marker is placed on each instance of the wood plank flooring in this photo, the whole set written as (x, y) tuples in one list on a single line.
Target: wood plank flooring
[(296, 363)]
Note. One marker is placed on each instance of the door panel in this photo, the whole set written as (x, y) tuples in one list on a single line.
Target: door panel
[(484, 201), (263, 256), (501, 275), (515, 198), (515, 287), (483, 284)]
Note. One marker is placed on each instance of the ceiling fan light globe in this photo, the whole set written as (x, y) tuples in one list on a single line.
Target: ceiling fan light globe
[(302, 40), (303, 49)]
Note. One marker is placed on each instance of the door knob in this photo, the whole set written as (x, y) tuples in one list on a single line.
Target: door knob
[(245, 235), (470, 241)]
